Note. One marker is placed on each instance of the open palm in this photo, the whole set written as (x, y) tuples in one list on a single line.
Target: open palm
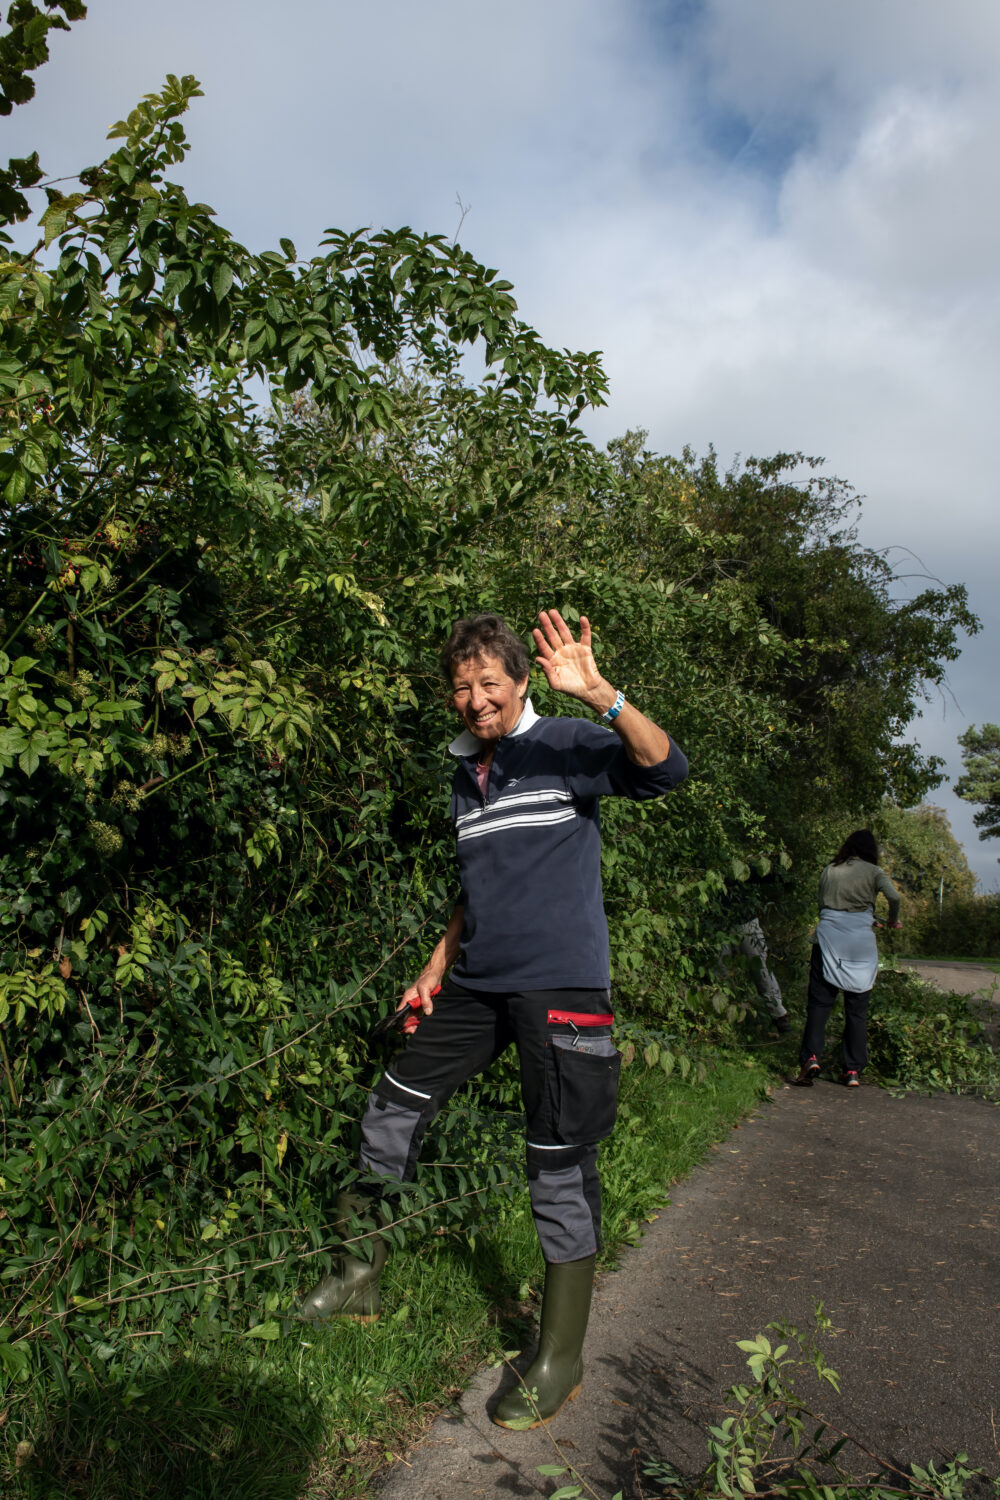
[(569, 665)]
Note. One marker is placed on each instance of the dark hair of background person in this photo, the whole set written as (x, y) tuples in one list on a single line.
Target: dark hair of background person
[(860, 844), (485, 635)]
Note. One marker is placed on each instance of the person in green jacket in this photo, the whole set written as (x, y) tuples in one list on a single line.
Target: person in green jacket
[(845, 954)]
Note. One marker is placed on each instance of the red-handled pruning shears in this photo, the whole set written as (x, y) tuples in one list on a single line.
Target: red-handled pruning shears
[(405, 1020)]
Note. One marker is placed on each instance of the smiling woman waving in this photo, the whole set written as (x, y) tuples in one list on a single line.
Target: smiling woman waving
[(527, 951)]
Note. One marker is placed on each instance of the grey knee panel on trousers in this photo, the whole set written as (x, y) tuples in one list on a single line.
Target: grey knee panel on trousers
[(562, 1215), (391, 1133), (565, 1196)]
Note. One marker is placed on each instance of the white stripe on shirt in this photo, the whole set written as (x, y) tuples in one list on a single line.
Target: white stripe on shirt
[(519, 799), (522, 820)]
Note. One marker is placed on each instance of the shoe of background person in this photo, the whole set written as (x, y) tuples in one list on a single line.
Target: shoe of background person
[(806, 1074), (556, 1374), (781, 1023), (851, 1079)]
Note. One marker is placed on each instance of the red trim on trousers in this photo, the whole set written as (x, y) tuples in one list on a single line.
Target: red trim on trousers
[(577, 1018)]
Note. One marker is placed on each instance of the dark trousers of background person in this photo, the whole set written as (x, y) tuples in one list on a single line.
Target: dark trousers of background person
[(819, 1003)]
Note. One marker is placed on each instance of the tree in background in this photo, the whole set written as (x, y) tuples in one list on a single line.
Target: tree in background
[(943, 913), (845, 664), (921, 852), (981, 779)]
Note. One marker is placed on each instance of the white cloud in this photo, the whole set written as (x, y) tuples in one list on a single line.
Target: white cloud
[(909, 210), (320, 113)]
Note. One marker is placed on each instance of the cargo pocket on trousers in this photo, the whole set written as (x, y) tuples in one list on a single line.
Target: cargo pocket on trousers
[(585, 1101)]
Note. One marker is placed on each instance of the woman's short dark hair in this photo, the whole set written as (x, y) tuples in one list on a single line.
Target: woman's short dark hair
[(861, 844), (485, 635)]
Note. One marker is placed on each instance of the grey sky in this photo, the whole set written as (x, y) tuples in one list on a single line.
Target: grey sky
[(777, 219)]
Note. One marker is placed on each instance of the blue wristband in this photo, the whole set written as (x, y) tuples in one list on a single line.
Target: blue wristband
[(615, 708)]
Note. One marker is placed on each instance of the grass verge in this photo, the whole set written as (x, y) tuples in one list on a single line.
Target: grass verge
[(318, 1414)]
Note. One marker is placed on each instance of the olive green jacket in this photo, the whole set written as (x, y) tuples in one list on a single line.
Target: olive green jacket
[(854, 885)]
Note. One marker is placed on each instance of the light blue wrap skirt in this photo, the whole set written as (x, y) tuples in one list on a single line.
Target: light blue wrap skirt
[(850, 952)]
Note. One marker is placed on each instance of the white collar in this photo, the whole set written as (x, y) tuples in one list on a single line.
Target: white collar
[(470, 744)]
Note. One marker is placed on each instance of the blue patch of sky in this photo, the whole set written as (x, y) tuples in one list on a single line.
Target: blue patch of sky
[(765, 146), (762, 145), (678, 21)]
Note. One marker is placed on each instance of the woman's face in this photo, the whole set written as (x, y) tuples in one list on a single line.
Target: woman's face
[(489, 702)]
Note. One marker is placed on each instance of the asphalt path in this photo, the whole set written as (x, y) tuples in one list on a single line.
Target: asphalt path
[(964, 979), (885, 1207)]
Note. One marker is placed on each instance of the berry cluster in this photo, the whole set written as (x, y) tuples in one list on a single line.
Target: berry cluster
[(273, 759)]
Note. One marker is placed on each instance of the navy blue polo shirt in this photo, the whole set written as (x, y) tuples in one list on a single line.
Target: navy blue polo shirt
[(529, 853)]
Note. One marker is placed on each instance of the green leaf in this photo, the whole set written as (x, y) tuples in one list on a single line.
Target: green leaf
[(222, 281), (269, 1330), (16, 487), (15, 1359), (146, 214), (175, 282), (53, 221), (117, 246)]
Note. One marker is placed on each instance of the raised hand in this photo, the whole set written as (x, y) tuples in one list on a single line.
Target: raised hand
[(571, 669), (569, 665)]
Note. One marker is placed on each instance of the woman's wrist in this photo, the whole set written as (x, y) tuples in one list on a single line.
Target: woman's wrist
[(601, 697)]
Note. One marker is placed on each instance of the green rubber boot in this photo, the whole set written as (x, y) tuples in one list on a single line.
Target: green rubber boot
[(351, 1289), (556, 1374)]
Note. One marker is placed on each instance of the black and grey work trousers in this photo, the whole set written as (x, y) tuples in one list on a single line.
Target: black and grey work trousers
[(819, 1003), (569, 1084)]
